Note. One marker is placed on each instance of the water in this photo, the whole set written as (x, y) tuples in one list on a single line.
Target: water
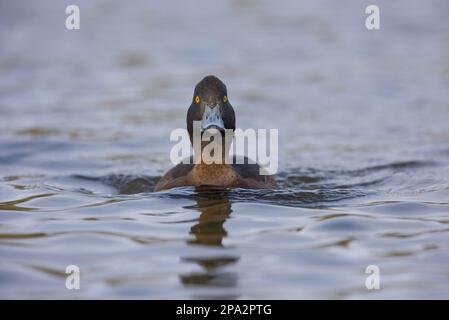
[(364, 150)]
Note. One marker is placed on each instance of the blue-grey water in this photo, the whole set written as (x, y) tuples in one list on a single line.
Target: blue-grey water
[(363, 119)]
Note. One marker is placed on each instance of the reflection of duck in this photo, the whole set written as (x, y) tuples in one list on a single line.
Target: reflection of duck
[(215, 208), (212, 108)]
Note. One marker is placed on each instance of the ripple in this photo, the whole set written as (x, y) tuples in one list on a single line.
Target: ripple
[(13, 205), (307, 187)]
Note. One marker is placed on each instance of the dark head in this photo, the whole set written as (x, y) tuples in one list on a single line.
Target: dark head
[(210, 105)]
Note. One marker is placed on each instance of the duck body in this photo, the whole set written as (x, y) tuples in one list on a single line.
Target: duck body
[(244, 175)]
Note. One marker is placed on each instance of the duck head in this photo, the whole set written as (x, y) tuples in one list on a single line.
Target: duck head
[(211, 106)]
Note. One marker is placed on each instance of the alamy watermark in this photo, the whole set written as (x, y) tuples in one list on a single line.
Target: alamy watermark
[(372, 21), (72, 281), (212, 146), (72, 22), (372, 282)]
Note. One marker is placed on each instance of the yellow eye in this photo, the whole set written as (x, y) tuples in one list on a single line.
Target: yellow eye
[(225, 99), (197, 99)]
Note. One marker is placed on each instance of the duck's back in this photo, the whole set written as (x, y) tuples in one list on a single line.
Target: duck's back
[(249, 173)]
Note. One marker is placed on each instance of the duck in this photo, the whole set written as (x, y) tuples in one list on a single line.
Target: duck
[(211, 108)]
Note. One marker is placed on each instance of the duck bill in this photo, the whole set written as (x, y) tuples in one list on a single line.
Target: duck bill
[(212, 119)]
